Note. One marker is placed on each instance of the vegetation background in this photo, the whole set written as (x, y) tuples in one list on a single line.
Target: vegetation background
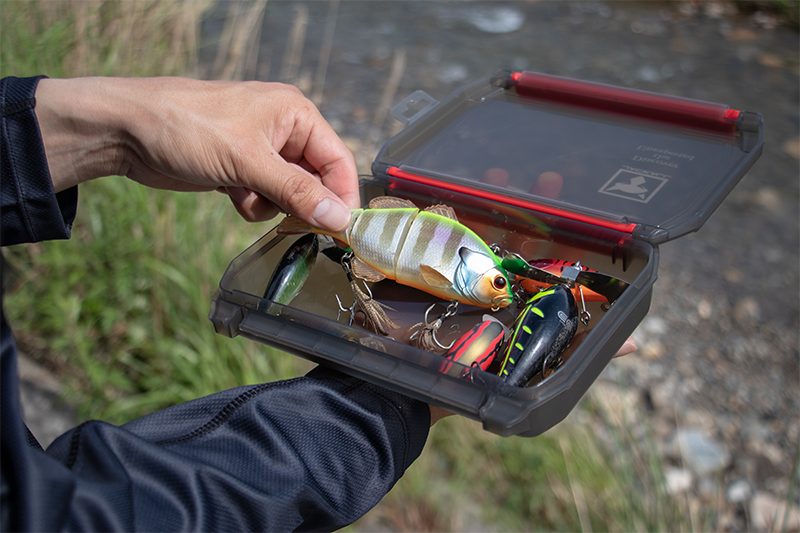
[(119, 311)]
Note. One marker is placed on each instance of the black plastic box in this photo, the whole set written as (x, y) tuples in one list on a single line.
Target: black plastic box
[(634, 170)]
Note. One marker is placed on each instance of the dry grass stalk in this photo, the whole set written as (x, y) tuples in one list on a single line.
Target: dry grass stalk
[(325, 52), (398, 68), (236, 66), (577, 490), (250, 69), (226, 38), (294, 50), (117, 37)]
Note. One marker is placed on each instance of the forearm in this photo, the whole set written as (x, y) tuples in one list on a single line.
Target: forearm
[(83, 127), (264, 143)]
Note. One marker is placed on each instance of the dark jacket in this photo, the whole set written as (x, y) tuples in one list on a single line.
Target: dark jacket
[(311, 453)]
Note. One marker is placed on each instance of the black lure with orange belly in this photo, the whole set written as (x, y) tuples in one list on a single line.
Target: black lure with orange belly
[(542, 331)]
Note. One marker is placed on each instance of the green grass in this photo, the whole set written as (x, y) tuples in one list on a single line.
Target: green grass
[(123, 304), (120, 310)]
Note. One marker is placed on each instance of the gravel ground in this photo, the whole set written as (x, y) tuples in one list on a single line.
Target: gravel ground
[(717, 369)]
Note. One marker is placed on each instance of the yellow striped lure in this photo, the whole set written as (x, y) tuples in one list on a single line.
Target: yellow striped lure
[(428, 250)]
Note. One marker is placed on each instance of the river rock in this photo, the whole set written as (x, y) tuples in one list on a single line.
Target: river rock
[(702, 454), (768, 512), (678, 480), (738, 491)]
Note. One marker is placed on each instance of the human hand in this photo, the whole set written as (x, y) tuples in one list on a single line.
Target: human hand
[(264, 144)]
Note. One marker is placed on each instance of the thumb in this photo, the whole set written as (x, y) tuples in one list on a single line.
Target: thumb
[(296, 192)]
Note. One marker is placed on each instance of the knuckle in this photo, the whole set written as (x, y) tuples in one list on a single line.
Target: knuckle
[(297, 192)]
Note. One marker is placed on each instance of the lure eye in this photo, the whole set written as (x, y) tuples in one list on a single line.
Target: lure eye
[(499, 282)]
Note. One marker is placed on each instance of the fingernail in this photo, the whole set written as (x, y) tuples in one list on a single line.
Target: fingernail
[(331, 215), (629, 346)]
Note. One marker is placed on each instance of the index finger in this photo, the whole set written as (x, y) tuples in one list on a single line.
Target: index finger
[(320, 146)]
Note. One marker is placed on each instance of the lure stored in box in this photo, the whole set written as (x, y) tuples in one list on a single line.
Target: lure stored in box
[(552, 170)]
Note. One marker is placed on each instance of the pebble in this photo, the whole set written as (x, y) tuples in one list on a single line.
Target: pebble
[(699, 452), (738, 491), (652, 350), (704, 309), (679, 480), (498, 20), (452, 73), (654, 325), (747, 311), (768, 512), (792, 147)]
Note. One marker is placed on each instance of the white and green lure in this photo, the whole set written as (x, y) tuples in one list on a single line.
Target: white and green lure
[(428, 250)]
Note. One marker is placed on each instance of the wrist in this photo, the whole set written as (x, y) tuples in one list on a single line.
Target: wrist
[(82, 127)]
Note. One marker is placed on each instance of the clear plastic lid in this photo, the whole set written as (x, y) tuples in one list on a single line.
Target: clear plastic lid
[(652, 165)]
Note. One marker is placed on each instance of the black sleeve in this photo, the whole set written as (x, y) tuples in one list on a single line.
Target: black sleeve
[(30, 210), (311, 454)]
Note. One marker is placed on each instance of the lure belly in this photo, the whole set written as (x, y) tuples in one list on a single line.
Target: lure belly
[(428, 250), (293, 270), (477, 347), (542, 331)]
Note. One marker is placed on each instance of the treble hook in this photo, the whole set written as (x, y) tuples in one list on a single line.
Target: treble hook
[(343, 309), (427, 331), (374, 311), (348, 270)]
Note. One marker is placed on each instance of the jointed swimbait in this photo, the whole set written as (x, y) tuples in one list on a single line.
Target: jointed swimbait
[(428, 250)]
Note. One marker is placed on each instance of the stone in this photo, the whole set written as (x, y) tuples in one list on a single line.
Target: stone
[(747, 311), (678, 480), (738, 491), (768, 512), (699, 452)]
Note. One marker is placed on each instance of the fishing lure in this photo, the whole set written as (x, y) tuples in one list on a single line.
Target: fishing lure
[(428, 250), (556, 267), (293, 270), (542, 331), (477, 347), (545, 272)]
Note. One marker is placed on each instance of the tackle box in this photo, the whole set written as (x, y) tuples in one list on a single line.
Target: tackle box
[(538, 165)]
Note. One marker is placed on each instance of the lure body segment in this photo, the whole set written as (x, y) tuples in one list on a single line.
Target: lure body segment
[(428, 250), (293, 270), (477, 347), (542, 331)]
